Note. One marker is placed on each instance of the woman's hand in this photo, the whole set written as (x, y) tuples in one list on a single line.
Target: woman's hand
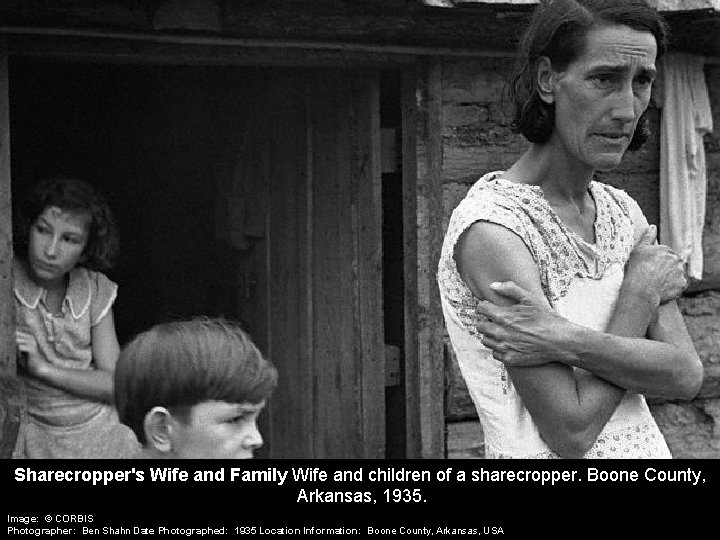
[(654, 270), (31, 360), (526, 334)]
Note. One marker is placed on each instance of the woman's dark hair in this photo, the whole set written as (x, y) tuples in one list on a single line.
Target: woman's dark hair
[(557, 30), (74, 196)]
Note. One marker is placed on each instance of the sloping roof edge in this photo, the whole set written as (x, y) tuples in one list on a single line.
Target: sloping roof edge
[(661, 5)]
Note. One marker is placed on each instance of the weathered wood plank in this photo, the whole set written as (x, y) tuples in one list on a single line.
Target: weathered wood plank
[(7, 312), (347, 312), (367, 221), (483, 26), (310, 285), (181, 50), (10, 390), (410, 114), (425, 381), (290, 326), (336, 422)]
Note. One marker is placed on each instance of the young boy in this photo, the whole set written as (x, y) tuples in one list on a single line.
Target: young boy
[(193, 389)]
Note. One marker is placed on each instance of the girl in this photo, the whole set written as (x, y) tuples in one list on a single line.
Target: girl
[(65, 330)]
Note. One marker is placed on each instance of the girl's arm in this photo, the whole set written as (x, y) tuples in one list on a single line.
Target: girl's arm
[(569, 409), (94, 383)]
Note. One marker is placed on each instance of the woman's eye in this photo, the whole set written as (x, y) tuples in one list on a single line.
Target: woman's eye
[(237, 419), (72, 240), (644, 81), (42, 229), (603, 79)]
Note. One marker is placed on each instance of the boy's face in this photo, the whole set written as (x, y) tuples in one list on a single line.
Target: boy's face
[(218, 430)]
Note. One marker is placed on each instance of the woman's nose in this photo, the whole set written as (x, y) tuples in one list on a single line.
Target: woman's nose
[(624, 108)]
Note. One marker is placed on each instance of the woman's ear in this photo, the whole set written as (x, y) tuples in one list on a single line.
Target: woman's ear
[(546, 80), (158, 430)]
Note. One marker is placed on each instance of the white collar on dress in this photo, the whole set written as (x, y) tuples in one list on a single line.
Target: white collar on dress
[(29, 293)]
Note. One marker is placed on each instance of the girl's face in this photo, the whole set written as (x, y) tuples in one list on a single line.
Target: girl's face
[(57, 243)]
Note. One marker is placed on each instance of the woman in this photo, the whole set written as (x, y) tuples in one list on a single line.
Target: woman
[(558, 302)]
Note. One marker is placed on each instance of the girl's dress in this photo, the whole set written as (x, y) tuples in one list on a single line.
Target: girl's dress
[(59, 424), (580, 280)]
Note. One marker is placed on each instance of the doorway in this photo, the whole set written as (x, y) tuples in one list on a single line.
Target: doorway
[(155, 142), (245, 192)]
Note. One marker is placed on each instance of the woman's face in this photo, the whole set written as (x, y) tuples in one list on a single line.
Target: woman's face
[(600, 96)]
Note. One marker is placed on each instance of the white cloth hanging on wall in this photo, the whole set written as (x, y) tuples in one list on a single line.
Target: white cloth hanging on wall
[(686, 117)]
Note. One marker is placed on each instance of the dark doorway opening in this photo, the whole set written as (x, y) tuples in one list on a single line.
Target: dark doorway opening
[(162, 143), (155, 140)]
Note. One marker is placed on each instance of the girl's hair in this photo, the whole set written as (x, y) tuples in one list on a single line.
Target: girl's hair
[(180, 364), (557, 30), (74, 196)]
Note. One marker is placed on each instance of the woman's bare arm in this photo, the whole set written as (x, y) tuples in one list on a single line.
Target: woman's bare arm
[(570, 410)]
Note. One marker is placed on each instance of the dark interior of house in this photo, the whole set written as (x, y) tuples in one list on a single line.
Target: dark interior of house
[(160, 142), (155, 140)]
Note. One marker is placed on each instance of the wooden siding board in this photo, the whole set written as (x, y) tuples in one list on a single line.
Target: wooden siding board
[(292, 402), (366, 170), (181, 50), (426, 390), (7, 312), (307, 260), (11, 403), (347, 316), (333, 284), (410, 115)]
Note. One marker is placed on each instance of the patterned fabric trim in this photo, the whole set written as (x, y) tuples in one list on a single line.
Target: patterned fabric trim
[(559, 252), (635, 442)]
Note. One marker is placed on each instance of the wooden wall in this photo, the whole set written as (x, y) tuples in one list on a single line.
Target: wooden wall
[(10, 400), (313, 279)]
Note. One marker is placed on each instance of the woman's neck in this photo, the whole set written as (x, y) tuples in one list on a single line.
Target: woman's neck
[(561, 179)]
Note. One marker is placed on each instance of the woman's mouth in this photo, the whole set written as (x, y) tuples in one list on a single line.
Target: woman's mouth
[(613, 138)]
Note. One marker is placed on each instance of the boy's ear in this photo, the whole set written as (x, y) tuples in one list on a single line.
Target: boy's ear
[(546, 80), (158, 429)]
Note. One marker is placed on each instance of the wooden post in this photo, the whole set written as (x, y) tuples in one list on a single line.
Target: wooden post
[(423, 210), (10, 395), (367, 221)]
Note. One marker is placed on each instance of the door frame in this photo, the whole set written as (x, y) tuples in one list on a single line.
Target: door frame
[(421, 75)]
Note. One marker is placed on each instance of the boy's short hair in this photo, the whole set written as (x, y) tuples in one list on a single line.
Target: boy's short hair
[(177, 365), (71, 195)]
